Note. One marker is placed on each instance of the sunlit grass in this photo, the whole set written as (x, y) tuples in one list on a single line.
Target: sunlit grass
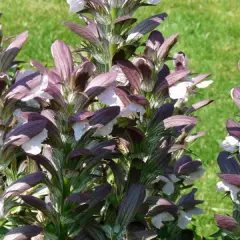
[(209, 35)]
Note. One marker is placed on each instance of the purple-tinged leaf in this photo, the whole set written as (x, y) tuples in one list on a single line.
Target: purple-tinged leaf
[(199, 105), (25, 132), (39, 66), (23, 233), (40, 159), (89, 33), (21, 88), (93, 197), (189, 167), (118, 175), (145, 66), (130, 204), (177, 147), (122, 95), (35, 202), (161, 78), (233, 179), (79, 198), (97, 85), (180, 162), (226, 222), (80, 116), (176, 76), (104, 116), (81, 75), (104, 147), (236, 95), (63, 59), (166, 47), (155, 40), (23, 184), (123, 23), (227, 163), (193, 137), (145, 27), (139, 99), (12, 51), (200, 78), (165, 111), (162, 205), (233, 128), (131, 72), (178, 121), (188, 202), (78, 153)]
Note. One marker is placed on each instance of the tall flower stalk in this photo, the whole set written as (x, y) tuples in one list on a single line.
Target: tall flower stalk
[(228, 161), (107, 134)]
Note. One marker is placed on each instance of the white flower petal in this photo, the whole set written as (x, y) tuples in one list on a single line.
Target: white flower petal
[(230, 143), (153, 1), (80, 128), (132, 109), (173, 178), (179, 90), (158, 220), (224, 186), (76, 5), (168, 188), (204, 84), (110, 98), (107, 129), (183, 220), (34, 145), (193, 176)]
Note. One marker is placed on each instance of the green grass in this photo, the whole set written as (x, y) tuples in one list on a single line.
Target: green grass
[(209, 35)]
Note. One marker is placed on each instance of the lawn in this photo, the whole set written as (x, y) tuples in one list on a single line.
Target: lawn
[(209, 35)]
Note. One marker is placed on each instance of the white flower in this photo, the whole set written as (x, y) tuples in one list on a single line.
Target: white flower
[(224, 186), (168, 188), (132, 109), (204, 84), (34, 145), (189, 179), (180, 90), (107, 129), (230, 143), (76, 5), (80, 128), (110, 98), (186, 216), (158, 220), (153, 1)]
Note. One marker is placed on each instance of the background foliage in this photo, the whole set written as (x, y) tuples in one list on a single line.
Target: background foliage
[(209, 35)]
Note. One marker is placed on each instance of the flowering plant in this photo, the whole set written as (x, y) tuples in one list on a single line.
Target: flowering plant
[(228, 161), (106, 134)]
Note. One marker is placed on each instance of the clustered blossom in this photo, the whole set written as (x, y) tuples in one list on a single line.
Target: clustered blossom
[(98, 141)]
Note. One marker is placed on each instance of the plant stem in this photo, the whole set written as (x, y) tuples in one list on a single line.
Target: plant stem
[(112, 47)]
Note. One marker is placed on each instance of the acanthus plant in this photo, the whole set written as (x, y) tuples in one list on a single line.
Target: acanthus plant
[(107, 134), (228, 161)]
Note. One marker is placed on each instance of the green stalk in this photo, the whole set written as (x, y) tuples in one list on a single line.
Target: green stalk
[(112, 47)]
